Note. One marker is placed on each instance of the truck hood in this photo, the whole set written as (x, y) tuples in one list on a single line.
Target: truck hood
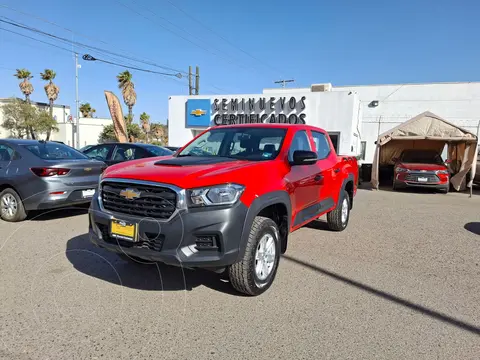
[(187, 171), (420, 166)]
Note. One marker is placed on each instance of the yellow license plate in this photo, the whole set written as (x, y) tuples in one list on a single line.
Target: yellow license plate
[(123, 230)]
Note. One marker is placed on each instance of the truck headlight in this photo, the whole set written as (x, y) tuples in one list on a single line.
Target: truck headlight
[(401, 169), (226, 194)]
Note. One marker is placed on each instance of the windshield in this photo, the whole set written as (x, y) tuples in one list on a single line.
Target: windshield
[(159, 151), (421, 157), (54, 151), (239, 143)]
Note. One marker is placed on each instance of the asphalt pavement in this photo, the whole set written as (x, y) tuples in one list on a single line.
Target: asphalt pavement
[(402, 282)]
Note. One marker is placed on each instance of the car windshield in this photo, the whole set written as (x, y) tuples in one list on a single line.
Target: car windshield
[(239, 143), (54, 151), (159, 151), (421, 157)]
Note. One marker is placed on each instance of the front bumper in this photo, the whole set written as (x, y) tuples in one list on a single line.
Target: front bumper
[(175, 242)]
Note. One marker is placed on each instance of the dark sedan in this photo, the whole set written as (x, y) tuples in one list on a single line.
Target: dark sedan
[(38, 175), (114, 153)]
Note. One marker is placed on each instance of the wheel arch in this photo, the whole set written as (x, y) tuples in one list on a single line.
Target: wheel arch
[(348, 185), (276, 206)]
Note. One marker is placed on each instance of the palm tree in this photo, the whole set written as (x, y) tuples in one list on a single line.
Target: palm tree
[(145, 121), (26, 86), (87, 110), (51, 90), (128, 90)]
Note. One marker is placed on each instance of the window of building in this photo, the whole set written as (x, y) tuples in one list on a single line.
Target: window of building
[(335, 140), (363, 149)]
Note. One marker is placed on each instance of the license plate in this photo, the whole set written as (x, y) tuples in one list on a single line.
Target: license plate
[(123, 230), (88, 193), (422, 179)]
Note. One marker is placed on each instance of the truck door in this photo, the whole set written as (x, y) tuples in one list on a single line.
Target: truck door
[(326, 164), (303, 182)]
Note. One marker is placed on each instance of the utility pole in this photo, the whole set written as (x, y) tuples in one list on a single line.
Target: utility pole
[(190, 80), (77, 120), (197, 80), (283, 82)]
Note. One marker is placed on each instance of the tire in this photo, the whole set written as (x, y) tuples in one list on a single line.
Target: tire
[(11, 206), (335, 220), (248, 276), (394, 187), (445, 190)]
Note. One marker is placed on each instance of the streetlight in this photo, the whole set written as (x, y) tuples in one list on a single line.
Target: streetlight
[(88, 57)]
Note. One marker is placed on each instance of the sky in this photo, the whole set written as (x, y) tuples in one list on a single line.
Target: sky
[(240, 47)]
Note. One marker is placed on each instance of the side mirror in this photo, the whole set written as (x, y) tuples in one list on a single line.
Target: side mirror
[(304, 157), (448, 161)]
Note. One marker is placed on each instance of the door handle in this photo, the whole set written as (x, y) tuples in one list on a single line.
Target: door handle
[(318, 177), (336, 170)]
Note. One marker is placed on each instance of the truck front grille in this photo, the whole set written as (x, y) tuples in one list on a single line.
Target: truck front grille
[(152, 201)]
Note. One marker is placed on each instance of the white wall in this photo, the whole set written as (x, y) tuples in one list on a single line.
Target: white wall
[(332, 111), (458, 103)]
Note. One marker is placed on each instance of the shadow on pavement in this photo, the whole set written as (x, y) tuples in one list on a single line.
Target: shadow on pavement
[(395, 299), (59, 213), (109, 267), (473, 227)]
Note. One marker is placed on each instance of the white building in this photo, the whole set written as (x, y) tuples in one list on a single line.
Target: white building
[(90, 128), (353, 115)]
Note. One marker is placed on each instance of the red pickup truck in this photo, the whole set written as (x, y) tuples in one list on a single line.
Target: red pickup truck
[(226, 201)]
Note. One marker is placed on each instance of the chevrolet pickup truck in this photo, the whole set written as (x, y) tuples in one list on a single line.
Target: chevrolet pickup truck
[(227, 201)]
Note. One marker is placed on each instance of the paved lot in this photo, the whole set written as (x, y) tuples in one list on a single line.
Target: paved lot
[(402, 282)]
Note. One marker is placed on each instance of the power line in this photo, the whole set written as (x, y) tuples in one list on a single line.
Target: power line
[(150, 62), (78, 44), (181, 36), (222, 37)]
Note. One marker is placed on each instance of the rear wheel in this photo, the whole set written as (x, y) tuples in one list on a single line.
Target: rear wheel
[(11, 206), (337, 219), (255, 272)]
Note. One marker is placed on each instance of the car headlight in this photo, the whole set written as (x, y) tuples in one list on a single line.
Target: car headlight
[(444, 172), (226, 194), (400, 169)]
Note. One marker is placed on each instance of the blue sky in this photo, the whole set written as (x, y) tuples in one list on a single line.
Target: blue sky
[(342, 42)]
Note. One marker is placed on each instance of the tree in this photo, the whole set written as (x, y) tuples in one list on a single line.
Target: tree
[(145, 122), (26, 86), (159, 132), (108, 134), (128, 90), (51, 90), (20, 117), (87, 110)]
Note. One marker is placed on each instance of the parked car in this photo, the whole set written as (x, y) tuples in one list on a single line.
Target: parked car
[(114, 153), (43, 175), (86, 147), (421, 168), (227, 201), (172, 148)]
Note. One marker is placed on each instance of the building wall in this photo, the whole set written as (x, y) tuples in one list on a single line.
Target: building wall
[(90, 128), (458, 103), (334, 112)]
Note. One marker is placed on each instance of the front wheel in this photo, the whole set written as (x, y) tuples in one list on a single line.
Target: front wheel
[(255, 272), (337, 219)]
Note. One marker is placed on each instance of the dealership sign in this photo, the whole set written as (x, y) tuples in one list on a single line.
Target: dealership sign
[(245, 110)]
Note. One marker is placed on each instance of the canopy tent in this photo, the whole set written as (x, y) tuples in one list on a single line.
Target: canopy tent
[(429, 132)]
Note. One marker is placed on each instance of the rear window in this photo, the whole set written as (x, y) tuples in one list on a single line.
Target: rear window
[(54, 151)]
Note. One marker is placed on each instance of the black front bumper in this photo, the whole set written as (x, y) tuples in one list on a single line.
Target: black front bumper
[(179, 241), (435, 186)]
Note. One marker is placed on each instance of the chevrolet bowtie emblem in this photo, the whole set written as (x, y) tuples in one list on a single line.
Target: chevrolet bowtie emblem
[(198, 112), (130, 194)]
